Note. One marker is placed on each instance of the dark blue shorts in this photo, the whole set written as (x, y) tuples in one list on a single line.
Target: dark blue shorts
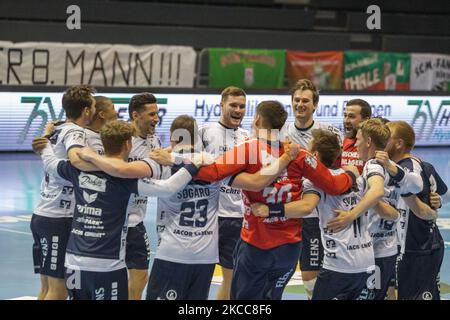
[(263, 274), (381, 280), (419, 275), (138, 248), (179, 281), (311, 257), (332, 285), (229, 234), (50, 241), (90, 285), (394, 280)]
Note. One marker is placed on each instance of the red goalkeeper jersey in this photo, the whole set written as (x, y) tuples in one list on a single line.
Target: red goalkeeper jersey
[(350, 155), (251, 156)]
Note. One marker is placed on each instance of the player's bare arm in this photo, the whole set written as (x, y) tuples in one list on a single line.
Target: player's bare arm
[(116, 167), (294, 209), (371, 197), (162, 156), (386, 211), (420, 209)]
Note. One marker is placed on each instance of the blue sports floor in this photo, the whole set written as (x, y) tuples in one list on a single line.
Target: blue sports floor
[(20, 177)]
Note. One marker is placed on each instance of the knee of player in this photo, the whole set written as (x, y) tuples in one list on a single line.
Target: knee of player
[(139, 276)]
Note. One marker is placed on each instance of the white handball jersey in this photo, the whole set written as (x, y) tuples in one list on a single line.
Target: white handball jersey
[(57, 197), (387, 234), (217, 139), (350, 250), (187, 222), (383, 232), (140, 149), (303, 136), (93, 141), (414, 184)]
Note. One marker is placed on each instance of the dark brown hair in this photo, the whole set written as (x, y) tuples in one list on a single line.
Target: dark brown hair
[(75, 99), (326, 143), (272, 113), (184, 127), (138, 102)]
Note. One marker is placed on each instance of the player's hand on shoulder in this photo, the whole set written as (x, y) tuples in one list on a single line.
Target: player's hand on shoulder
[(382, 158), (352, 169), (49, 128), (260, 209), (291, 149), (38, 144), (86, 153), (162, 156)]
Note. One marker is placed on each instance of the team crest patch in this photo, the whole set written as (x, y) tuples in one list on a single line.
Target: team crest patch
[(427, 295), (311, 161), (171, 295), (89, 198)]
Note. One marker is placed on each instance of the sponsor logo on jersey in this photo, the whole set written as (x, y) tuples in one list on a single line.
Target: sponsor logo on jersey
[(187, 233), (48, 196), (228, 189), (89, 210), (311, 161), (91, 182), (67, 190), (284, 278), (140, 201)]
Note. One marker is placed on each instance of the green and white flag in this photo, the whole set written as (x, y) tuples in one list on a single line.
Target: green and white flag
[(246, 68)]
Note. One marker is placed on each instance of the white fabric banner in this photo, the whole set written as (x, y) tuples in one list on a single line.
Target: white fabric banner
[(429, 71), (102, 65)]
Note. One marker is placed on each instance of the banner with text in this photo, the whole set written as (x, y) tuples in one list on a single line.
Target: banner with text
[(430, 72), (105, 65), (376, 70), (324, 69), (23, 115), (255, 68)]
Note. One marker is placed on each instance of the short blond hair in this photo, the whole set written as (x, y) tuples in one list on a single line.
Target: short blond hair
[(305, 84), (402, 130), (377, 131), (114, 134)]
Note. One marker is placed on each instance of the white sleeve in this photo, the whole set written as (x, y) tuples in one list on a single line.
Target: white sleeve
[(164, 188), (157, 169), (375, 169), (74, 138), (308, 187), (409, 181), (50, 160)]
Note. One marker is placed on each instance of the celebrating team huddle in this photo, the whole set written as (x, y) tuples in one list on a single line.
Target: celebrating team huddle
[(356, 210)]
